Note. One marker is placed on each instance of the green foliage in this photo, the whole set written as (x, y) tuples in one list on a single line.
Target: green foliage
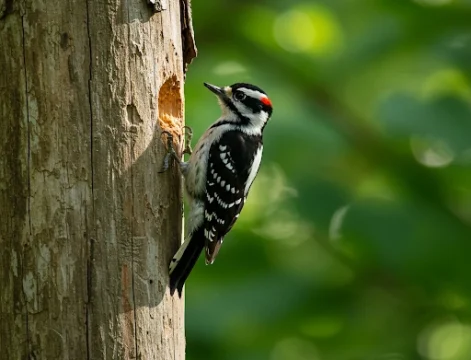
[(356, 238)]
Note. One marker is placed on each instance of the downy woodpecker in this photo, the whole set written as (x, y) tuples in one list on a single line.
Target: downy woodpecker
[(219, 174)]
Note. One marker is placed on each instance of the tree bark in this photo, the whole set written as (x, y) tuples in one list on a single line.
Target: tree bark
[(87, 225)]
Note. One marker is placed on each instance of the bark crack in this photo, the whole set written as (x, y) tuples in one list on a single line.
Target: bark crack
[(133, 289), (28, 129), (91, 241), (89, 292), (28, 175)]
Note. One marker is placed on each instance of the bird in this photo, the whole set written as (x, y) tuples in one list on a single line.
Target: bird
[(219, 174)]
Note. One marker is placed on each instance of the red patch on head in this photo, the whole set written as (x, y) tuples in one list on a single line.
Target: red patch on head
[(265, 101)]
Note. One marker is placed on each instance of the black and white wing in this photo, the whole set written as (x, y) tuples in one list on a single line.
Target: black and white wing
[(232, 166)]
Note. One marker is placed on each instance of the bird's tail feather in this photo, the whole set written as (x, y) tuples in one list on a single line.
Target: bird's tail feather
[(184, 260)]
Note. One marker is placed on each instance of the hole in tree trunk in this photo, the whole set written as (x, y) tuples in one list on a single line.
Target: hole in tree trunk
[(170, 107)]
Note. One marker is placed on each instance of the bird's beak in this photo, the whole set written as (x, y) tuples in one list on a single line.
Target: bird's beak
[(220, 92)]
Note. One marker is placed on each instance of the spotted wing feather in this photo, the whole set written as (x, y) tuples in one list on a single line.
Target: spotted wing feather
[(230, 163)]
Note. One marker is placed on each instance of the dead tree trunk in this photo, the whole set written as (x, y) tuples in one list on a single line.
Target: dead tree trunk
[(87, 225)]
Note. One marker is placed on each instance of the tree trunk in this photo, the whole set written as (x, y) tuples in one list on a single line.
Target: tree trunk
[(87, 225)]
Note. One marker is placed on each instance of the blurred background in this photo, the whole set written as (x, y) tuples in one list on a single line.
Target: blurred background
[(355, 242)]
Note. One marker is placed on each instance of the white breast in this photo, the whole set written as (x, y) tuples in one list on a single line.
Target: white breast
[(196, 176), (254, 169)]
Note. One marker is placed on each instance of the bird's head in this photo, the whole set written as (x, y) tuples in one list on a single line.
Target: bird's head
[(243, 103)]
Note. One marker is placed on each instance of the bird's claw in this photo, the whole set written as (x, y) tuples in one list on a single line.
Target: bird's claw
[(170, 152), (188, 135)]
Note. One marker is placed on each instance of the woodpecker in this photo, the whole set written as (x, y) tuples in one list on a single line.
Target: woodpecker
[(219, 174)]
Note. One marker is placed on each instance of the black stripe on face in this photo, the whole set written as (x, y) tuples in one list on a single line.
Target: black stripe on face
[(220, 123), (254, 104), (268, 109), (244, 120)]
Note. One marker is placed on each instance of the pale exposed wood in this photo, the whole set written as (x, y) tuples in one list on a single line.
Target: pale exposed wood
[(87, 225)]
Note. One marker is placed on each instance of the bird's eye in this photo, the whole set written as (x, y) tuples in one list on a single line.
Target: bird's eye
[(239, 96)]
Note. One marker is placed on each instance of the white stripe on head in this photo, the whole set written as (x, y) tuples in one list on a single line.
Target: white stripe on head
[(252, 93)]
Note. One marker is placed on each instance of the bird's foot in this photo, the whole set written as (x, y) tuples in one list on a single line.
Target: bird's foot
[(171, 153), (188, 136)]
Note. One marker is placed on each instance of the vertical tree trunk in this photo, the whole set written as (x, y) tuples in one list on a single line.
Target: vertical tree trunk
[(87, 225)]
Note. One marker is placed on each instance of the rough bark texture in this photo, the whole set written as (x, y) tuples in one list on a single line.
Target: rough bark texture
[(87, 225)]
